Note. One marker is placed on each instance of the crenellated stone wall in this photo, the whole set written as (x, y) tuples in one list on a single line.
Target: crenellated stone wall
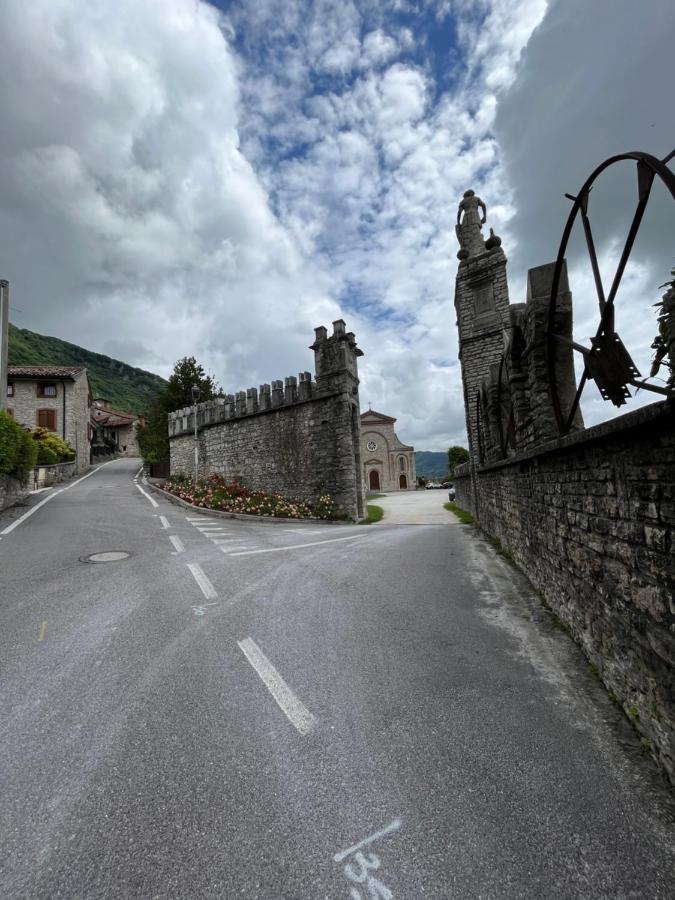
[(298, 437)]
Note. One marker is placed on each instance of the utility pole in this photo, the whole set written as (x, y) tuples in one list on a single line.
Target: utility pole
[(4, 339)]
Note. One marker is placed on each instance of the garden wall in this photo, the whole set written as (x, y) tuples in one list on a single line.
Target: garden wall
[(590, 518), (45, 476), (11, 491), (299, 438)]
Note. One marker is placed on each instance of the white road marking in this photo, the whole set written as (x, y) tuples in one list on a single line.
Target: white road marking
[(164, 521), (177, 543), (300, 546), (234, 551), (147, 496), (205, 585), (37, 506), (304, 530), (201, 519), (210, 529), (294, 710), (139, 472), (201, 610), (393, 826)]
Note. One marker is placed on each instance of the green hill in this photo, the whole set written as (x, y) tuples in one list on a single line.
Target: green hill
[(123, 386), (431, 463)]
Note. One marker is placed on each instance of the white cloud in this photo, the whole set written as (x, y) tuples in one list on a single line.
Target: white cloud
[(164, 191)]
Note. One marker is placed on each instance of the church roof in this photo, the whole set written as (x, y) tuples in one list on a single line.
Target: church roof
[(376, 416)]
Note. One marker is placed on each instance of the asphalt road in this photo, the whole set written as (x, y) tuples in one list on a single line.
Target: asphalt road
[(266, 710)]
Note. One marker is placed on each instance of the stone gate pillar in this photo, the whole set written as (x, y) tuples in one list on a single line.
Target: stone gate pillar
[(482, 306)]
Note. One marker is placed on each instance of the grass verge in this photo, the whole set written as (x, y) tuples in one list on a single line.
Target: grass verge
[(375, 513), (463, 516)]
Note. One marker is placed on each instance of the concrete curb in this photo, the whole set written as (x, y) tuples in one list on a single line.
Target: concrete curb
[(242, 517)]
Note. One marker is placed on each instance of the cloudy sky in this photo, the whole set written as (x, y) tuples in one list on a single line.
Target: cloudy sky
[(179, 178)]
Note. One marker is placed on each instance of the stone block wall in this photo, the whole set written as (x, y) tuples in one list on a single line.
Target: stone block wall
[(297, 437), (45, 476), (590, 519), (11, 491)]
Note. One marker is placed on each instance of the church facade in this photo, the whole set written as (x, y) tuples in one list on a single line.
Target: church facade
[(387, 464)]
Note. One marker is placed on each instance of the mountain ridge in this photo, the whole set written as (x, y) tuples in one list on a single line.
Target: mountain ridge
[(125, 387)]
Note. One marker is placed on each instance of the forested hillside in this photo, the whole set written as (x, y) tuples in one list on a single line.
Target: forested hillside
[(431, 463), (124, 387)]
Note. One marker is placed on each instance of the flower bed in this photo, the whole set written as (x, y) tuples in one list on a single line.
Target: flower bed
[(216, 493)]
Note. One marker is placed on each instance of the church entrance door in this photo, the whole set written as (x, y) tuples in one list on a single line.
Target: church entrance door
[(403, 482), (374, 480)]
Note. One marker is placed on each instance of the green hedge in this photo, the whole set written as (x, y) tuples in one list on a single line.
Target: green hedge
[(51, 448), (18, 450)]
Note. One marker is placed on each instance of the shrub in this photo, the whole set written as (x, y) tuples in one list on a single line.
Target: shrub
[(45, 456), (216, 493), (51, 448), (18, 451)]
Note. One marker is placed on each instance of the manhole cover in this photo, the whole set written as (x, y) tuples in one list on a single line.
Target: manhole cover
[(107, 556)]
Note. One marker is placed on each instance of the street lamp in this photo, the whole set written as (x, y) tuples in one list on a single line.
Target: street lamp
[(195, 396)]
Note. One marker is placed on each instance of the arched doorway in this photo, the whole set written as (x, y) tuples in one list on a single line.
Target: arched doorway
[(403, 482), (374, 480)]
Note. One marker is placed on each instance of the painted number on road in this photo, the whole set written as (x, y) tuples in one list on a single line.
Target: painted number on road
[(201, 610), (360, 867)]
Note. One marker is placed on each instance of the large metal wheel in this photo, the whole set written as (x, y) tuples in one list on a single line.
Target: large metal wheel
[(606, 361)]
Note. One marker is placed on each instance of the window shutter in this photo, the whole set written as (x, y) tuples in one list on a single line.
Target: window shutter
[(46, 418)]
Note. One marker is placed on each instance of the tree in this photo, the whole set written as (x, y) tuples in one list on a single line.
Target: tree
[(456, 456), (153, 437)]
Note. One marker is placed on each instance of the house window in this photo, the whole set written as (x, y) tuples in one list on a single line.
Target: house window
[(10, 388), (46, 418), (401, 463), (46, 390)]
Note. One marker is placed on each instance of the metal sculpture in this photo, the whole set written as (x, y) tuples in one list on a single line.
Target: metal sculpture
[(606, 361)]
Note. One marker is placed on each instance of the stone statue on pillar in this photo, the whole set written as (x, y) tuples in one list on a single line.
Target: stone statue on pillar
[(469, 224)]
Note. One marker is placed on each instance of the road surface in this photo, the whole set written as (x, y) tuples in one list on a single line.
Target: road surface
[(272, 710)]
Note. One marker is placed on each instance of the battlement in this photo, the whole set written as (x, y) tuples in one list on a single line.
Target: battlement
[(252, 401), (336, 372)]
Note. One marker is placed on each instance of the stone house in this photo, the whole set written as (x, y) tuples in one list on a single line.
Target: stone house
[(387, 463), (53, 397), (113, 431)]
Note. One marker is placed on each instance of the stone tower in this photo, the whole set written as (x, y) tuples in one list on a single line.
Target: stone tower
[(482, 306), (336, 368)]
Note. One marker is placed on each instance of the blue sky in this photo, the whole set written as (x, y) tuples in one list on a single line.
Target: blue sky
[(177, 178)]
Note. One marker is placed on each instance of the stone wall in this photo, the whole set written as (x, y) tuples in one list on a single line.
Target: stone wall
[(45, 476), (299, 438), (11, 491), (590, 519)]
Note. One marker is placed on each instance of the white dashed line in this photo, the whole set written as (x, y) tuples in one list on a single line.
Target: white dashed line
[(164, 521), (299, 546), (205, 585), (177, 543), (294, 710)]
